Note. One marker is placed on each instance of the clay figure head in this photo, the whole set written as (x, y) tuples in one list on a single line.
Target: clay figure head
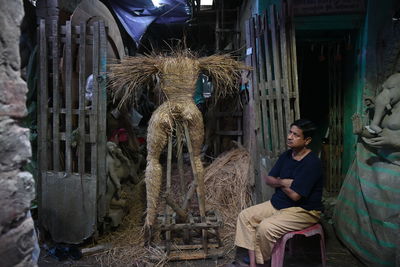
[(389, 96)]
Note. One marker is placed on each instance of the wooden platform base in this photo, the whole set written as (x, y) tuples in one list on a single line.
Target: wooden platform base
[(196, 239), (193, 255)]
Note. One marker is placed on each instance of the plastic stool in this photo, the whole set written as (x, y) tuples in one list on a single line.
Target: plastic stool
[(278, 252)]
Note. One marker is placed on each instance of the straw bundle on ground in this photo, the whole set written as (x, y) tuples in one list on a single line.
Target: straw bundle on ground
[(176, 74), (228, 189), (127, 241)]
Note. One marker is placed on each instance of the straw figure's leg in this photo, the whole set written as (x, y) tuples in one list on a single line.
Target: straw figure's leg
[(192, 115), (159, 128)]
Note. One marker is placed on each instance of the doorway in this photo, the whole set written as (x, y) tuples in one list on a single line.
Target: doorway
[(322, 60)]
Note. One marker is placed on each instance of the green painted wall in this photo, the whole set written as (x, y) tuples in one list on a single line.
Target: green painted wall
[(354, 73), (263, 4)]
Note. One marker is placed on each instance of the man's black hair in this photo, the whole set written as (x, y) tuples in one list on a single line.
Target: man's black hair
[(307, 126)]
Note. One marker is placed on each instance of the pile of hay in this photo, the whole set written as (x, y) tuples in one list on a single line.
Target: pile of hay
[(228, 190), (127, 242)]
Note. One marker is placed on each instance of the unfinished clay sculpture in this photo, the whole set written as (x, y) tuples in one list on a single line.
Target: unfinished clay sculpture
[(384, 130), (367, 212)]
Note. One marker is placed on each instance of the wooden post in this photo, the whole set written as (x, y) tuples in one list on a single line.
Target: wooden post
[(43, 98), (180, 160), (262, 89), (95, 102), (278, 86), (56, 98), (181, 212), (271, 94), (200, 186), (82, 83), (284, 60), (68, 96), (168, 189), (42, 116)]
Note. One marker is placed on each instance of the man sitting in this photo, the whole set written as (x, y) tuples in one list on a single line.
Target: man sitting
[(296, 204)]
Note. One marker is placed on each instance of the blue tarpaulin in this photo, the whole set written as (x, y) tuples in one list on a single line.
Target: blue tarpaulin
[(137, 15)]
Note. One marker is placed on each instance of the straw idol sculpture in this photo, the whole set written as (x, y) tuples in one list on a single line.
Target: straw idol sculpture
[(176, 75)]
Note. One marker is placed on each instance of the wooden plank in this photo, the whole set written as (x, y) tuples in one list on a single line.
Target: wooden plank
[(270, 90), (87, 138), (192, 255), (277, 71), (255, 86), (200, 185), (180, 160), (289, 59), (264, 132), (56, 98), (170, 202), (293, 53), (68, 97), (74, 111), (285, 66), (190, 247), (181, 226), (167, 190), (190, 193), (82, 84), (229, 133), (102, 110), (253, 142), (40, 178), (77, 30), (43, 97), (95, 102), (89, 40)]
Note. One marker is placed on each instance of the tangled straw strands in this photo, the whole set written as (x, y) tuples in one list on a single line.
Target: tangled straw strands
[(127, 242), (224, 71), (228, 189), (128, 76), (177, 73)]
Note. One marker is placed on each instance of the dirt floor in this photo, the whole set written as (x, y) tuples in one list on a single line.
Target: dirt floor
[(127, 245), (306, 254)]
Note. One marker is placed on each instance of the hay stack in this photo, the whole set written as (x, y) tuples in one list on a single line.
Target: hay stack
[(228, 189)]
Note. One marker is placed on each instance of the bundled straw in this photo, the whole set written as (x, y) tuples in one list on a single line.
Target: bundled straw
[(228, 189), (130, 75), (127, 241), (176, 72)]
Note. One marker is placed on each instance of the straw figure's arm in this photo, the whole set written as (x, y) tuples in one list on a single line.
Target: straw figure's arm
[(225, 73), (130, 75)]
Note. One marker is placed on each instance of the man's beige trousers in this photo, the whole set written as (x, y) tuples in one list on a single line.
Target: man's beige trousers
[(260, 226)]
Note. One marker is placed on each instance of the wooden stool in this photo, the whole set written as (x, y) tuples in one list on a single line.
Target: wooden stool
[(278, 252)]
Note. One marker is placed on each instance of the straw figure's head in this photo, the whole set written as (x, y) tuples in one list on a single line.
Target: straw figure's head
[(178, 76)]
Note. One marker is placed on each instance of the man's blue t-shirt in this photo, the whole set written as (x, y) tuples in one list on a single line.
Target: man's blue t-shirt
[(307, 178)]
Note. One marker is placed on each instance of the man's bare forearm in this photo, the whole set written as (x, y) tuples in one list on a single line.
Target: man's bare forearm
[(273, 181), (291, 194), (284, 184)]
